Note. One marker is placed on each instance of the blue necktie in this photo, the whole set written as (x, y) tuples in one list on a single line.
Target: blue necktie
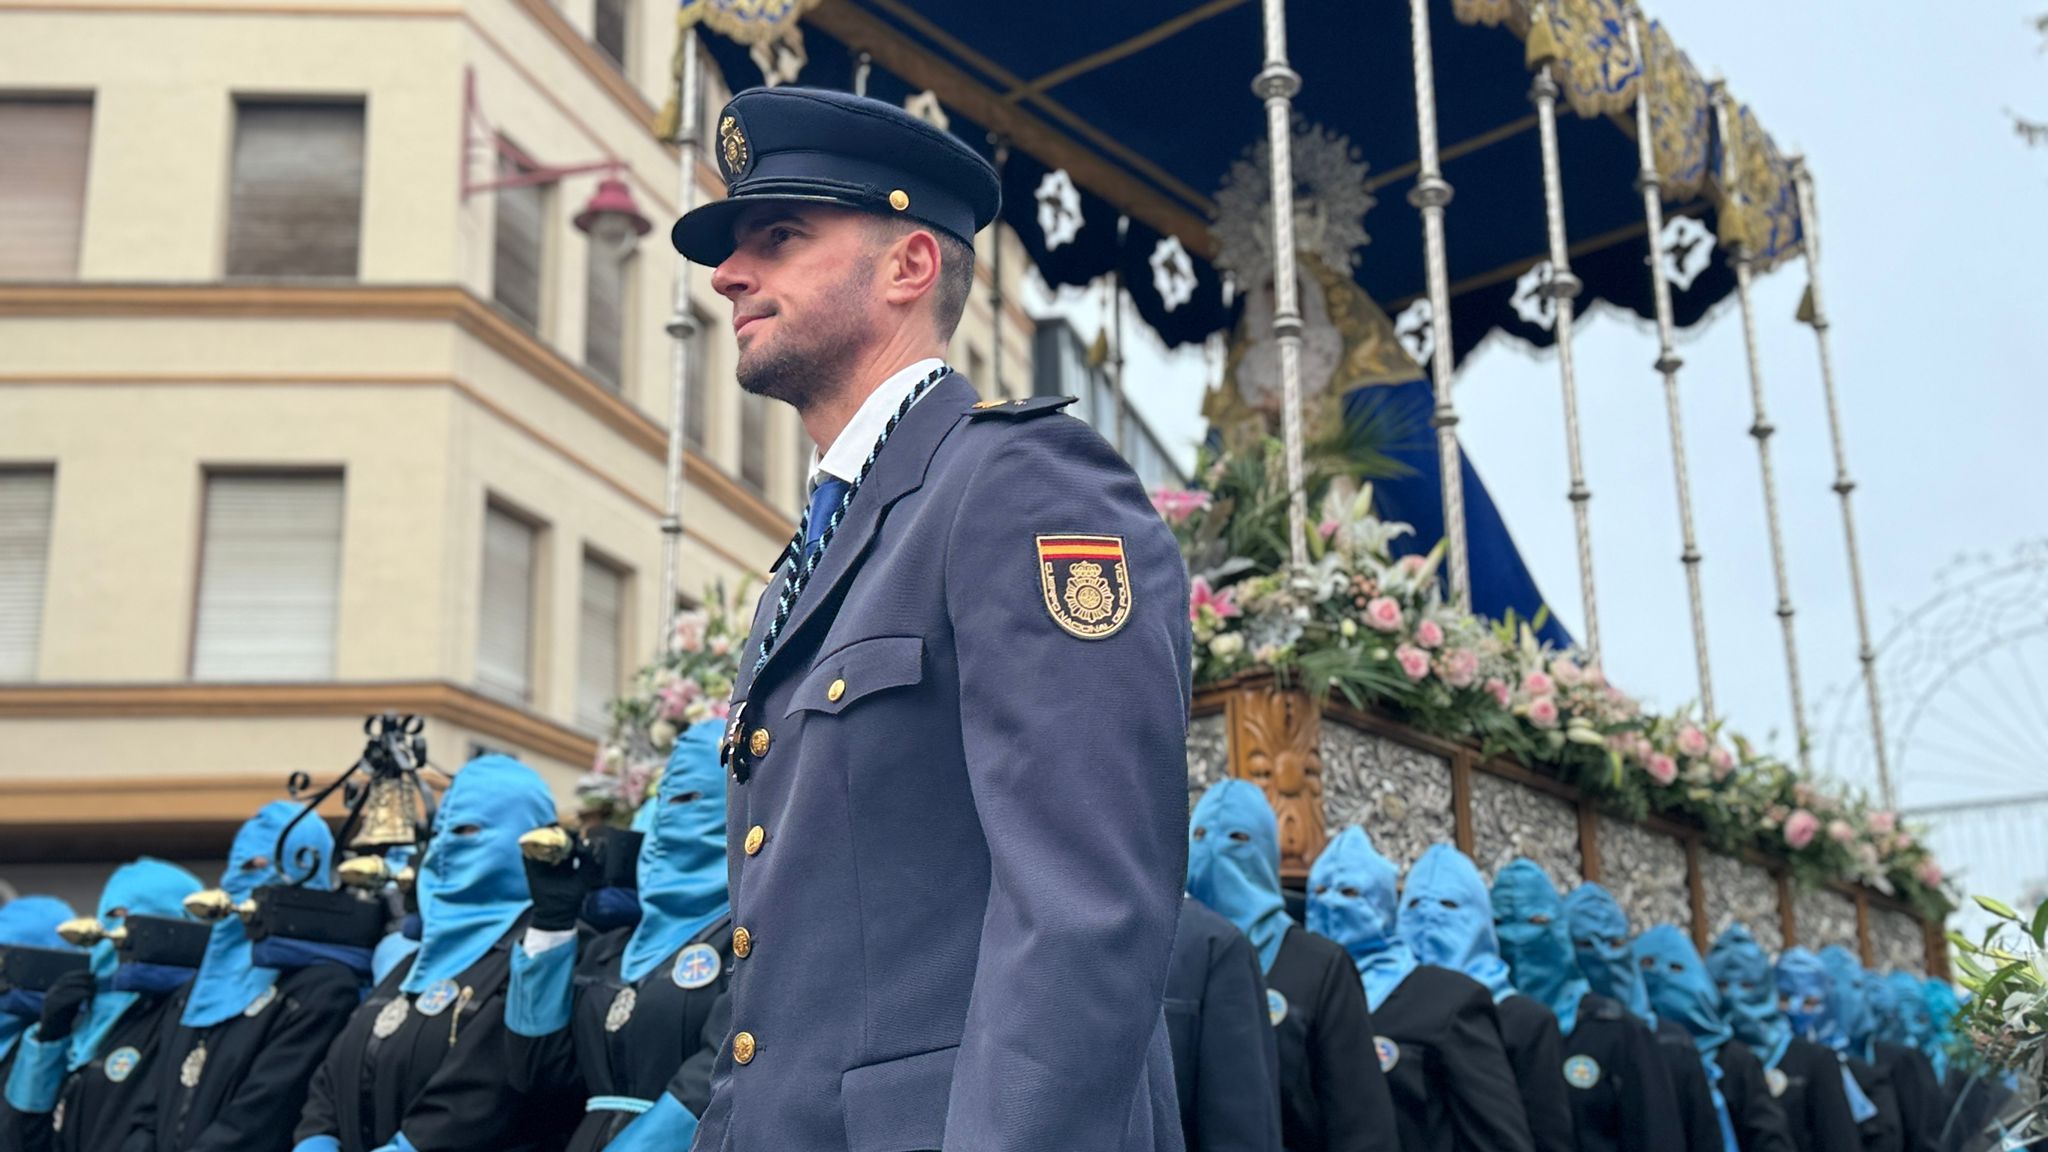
[(825, 500)]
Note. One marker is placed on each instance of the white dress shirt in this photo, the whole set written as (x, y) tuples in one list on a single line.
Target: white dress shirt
[(846, 454)]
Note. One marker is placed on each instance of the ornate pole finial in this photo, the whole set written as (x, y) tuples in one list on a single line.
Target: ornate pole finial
[(1668, 360), (1276, 84), (682, 328)]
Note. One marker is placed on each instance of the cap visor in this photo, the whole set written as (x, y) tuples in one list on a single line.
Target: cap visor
[(704, 234)]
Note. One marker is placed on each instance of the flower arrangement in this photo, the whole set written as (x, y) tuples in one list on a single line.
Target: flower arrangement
[(691, 681), (1374, 629)]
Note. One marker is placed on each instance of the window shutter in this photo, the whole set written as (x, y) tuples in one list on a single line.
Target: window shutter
[(504, 659), (42, 187), (754, 441), (597, 649), (608, 30), (699, 352), (296, 204), (516, 251), (25, 499), (269, 578), (604, 322)]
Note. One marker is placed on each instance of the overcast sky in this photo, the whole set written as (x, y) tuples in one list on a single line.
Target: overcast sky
[(1933, 220)]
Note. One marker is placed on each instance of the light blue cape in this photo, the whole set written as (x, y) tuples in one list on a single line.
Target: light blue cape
[(1446, 919), (1352, 900), (472, 881), (229, 980), (682, 854), (1600, 940), (1234, 864), (1534, 937)]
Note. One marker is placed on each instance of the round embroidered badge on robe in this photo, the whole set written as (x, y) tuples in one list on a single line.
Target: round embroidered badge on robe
[(621, 1010), (1390, 1052), (1777, 1081), (1582, 1071), (1086, 583), (195, 1063), (121, 1063), (696, 967), (390, 1018), (438, 996), (261, 1002), (1276, 1007)]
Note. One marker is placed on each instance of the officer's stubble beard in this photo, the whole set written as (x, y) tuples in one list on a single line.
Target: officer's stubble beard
[(812, 360)]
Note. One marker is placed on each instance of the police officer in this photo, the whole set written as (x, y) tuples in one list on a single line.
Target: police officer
[(1438, 1036), (1621, 1098), (1332, 1092), (643, 1004), (979, 639), (25, 922), (236, 1060), (1222, 1037), (1681, 990), (1601, 941), (84, 1065), (1821, 1099), (420, 1066)]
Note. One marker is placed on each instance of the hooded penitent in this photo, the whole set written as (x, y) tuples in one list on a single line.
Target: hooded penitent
[(1807, 993), (145, 887), (1351, 899), (27, 922), (1903, 1016), (1942, 1006), (1681, 990), (1234, 864), (1854, 1014), (1446, 918), (1530, 918), (1600, 940), (472, 882), (228, 980), (1749, 993), (682, 855)]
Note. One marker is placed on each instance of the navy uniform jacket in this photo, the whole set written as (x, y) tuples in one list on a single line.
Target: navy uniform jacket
[(957, 829), (1217, 1018)]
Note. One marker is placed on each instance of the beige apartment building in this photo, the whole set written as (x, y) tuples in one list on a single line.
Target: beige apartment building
[(293, 430)]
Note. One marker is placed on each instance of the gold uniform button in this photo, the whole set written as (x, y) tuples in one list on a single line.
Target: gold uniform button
[(755, 836), (837, 690), (899, 199), (743, 1047), (742, 942), (759, 742)]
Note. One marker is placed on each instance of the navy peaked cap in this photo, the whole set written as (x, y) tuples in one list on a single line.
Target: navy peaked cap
[(822, 146)]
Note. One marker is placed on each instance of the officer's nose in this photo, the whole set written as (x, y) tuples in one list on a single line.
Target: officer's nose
[(732, 278)]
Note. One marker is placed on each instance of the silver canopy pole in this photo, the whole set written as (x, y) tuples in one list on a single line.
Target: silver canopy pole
[(1668, 361), (1276, 84), (682, 328), (1742, 257), (1813, 313), (1430, 194)]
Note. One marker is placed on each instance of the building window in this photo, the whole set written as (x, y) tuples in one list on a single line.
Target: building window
[(608, 285), (517, 247), (269, 577), (598, 642), (42, 187), (25, 498), (977, 372), (754, 441), (699, 351), (504, 648), (806, 448), (608, 30), (296, 200)]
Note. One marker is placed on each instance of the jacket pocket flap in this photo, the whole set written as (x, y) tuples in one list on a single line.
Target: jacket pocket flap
[(898, 1105), (858, 671)]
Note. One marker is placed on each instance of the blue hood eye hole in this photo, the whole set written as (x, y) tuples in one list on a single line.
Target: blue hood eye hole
[(1241, 837), (467, 829), (256, 864), (1448, 903), (1201, 833), (1353, 893), (1322, 889), (685, 797), (1539, 919)]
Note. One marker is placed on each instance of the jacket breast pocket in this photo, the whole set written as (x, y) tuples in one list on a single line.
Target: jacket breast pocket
[(857, 671), (898, 1105)]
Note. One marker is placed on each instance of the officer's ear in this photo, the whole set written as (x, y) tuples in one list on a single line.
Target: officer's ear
[(909, 267)]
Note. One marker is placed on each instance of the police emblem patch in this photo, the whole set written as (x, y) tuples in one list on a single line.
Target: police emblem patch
[(121, 1063), (733, 152), (438, 996), (1086, 583), (1777, 1081), (261, 1002), (390, 1018), (1582, 1071), (1276, 1007), (195, 1063), (621, 1010), (696, 967), (1389, 1052)]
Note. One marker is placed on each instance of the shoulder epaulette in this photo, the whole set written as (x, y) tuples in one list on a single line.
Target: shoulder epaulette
[(1019, 409)]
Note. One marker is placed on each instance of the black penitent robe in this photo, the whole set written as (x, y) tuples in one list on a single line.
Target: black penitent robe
[(1332, 1095), (1535, 1050), (1448, 1069), (1621, 1094)]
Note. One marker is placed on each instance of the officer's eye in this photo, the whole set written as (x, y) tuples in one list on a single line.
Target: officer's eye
[(685, 797), (256, 864), (1241, 837), (1201, 833), (779, 235), (468, 829), (1350, 892)]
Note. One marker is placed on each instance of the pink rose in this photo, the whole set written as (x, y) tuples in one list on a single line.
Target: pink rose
[(1499, 689), (1663, 769), (1412, 565), (1565, 672), (1800, 828), (1882, 822), (1461, 668), (1383, 614), (720, 645), (1930, 873), (1723, 762), (676, 697), (690, 628), (1538, 684), (1414, 661), (1692, 742), (1543, 712), (1840, 832), (1905, 841), (1429, 634), (1593, 675)]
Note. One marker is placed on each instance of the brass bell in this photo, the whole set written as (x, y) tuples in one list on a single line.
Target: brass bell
[(214, 905), (547, 845), (86, 931), (390, 815), (368, 873)]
